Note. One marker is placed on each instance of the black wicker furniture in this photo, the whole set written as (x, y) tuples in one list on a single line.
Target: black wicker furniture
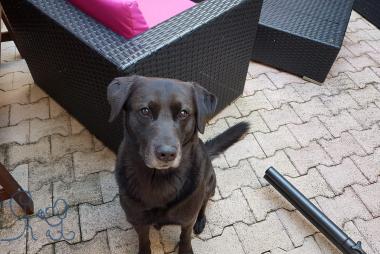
[(369, 9), (73, 58), (302, 37)]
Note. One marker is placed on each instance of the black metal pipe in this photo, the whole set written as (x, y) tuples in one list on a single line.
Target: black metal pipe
[(312, 213)]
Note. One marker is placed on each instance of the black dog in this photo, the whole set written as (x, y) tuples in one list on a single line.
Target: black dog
[(163, 169)]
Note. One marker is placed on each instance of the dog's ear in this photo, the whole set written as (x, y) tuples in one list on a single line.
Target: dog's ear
[(206, 105), (118, 92)]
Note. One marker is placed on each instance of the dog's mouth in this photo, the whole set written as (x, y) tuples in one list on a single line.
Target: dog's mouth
[(151, 161)]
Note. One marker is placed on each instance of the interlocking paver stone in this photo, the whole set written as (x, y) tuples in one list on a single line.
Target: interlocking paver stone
[(364, 77), (370, 195), (297, 226), (18, 134), (263, 236), (13, 247), (279, 161), (309, 109), (342, 147), (230, 111), (361, 35), (369, 165), (340, 123), (309, 247), (97, 245), (343, 208), (371, 231), (213, 130), (375, 45), (76, 143), (265, 200), (55, 109), (256, 69), (243, 149), (251, 103), (280, 139), (40, 128), (367, 116), (108, 186), (20, 95), (344, 52), (342, 175), (362, 62), (308, 157), (375, 56), (350, 229), (280, 79), (40, 227), (39, 151), (359, 24), (4, 116), (98, 218), (91, 162), (257, 84), (36, 93), (368, 139), (341, 65), (360, 48), (54, 170), (19, 112), (339, 102), (122, 242), (340, 83), (76, 126), (277, 117), (312, 185), (86, 191), (310, 90), (225, 212), (282, 96), (233, 178), (256, 123), (309, 131), (325, 245), (366, 95)]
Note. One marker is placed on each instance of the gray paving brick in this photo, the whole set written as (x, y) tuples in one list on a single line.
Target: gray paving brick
[(215, 129), (86, 163), (309, 247), (55, 109), (350, 229), (4, 116), (342, 147), (309, 90), (280, 139), (340, 83), (20, 113), (370, 195), (20, 95), (309, 109), (256, 123), (13, 247), (308, 157), (277, 117), (243, 149), (265, 200), (39, 151), (279, 161), (263, 236), (360, 48), (343, 208), (77, 143), (340, 123), (344, 52), (361, 62), (258, 84), (369, 165), (368, 139), (366, 76), (366, 95), (339, 102), (251, 103), (36, 93), (282, 96), (281, 79), (325, 245), (371, 231), (225, 212), (376, 57), (41, 128), (233, 178), (342, 175), (230, 111), (375, 45), (76, 126), (256, 69), (94, 219), (359, 24), (361, 35), (97, 245), (341, 65), (366, 116), (309, 131), (108, 186), (15, 134), (54, 170)]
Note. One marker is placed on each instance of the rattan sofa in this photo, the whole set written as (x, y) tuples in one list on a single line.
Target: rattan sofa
[(73, 58), (302, 37)]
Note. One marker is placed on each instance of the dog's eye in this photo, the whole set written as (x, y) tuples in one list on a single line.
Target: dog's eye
[(183, 114), (145, 111)]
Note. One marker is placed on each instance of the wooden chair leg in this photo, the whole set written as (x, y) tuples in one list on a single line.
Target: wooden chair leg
[(11, 189)]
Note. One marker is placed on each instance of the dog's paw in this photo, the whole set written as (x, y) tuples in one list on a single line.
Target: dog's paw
[(145, 251), (199, 225)]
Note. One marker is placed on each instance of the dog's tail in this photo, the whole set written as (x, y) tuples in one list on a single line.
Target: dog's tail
[(226, 139)]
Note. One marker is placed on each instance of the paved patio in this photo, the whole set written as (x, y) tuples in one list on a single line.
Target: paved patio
[(326, 139)]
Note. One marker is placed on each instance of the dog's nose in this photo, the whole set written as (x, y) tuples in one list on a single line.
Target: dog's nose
[(166, 153)]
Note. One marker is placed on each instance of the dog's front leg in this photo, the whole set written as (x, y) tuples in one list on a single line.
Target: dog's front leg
[(144, 242), (185, 240)]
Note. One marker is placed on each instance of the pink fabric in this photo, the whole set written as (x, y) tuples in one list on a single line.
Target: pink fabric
[(157, 11), (122, 16)]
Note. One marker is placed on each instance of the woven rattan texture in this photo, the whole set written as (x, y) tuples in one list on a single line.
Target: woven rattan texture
[(73, 58), (302, 36), (369, 9)]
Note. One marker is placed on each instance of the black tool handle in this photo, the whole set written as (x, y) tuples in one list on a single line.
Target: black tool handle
[(312, 213)]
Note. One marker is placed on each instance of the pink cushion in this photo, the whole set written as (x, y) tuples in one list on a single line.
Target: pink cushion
[(122, 16), (157, 11)]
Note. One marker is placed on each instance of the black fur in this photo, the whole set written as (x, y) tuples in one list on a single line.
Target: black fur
[(172, 194)]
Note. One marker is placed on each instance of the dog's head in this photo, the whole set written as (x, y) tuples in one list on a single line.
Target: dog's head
[(162, 115)]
